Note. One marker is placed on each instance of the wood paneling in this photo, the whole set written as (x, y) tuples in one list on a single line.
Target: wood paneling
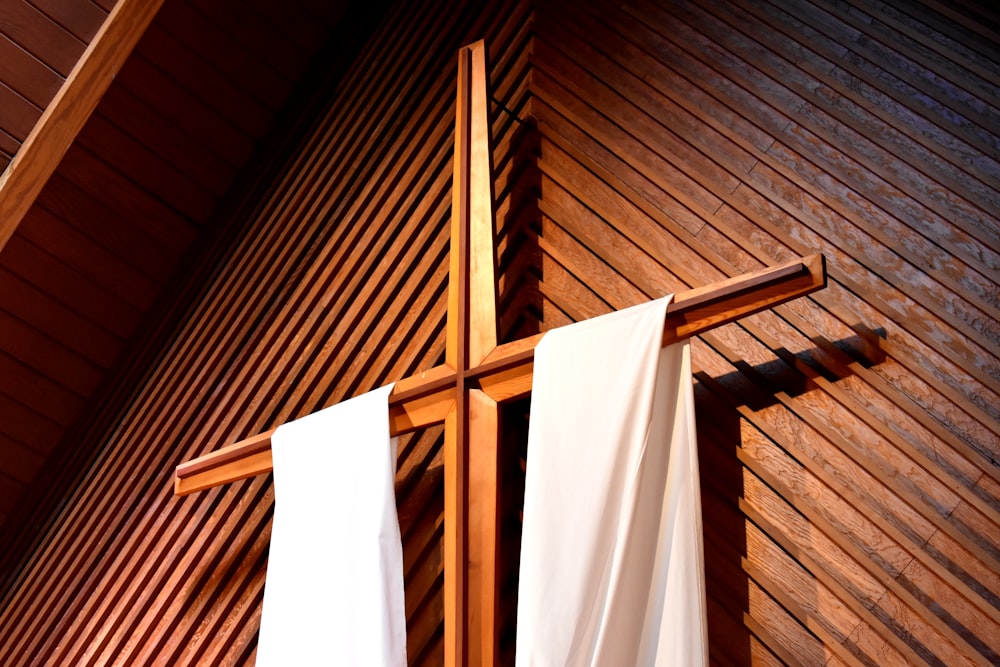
[(302, 248), (130, 197), (849, 441), (732, 127)]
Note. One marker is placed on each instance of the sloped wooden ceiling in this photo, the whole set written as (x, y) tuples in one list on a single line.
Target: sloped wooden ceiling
[(40, 42), (186, 113), (849, 441)]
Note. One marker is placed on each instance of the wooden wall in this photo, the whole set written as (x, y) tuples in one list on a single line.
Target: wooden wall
[(849, 441)]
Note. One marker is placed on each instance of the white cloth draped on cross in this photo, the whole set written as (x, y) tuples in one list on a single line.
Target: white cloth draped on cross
[(611, 564), (611, 568), (334, 590)]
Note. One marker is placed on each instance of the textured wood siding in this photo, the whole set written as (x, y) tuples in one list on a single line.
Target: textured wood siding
[(849, 441)]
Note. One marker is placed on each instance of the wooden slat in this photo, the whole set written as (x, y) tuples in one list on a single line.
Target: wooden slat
[(279, 227), (18, 118), (771, 181), (25, 75), (170, 99), (201, 77), (20, 464), (28, 428), (99, 224), (154, 175), (614, 178), (80, 217), (40, 36), (46, 356), (80, 251), (46, 272), (920, 130), (83, 19), (51, 318), (289, 56)]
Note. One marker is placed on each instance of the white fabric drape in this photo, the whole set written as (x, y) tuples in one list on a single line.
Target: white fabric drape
[(612, 571), (334, 589)]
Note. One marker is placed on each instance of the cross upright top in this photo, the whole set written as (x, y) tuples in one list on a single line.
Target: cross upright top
[(478, 374)]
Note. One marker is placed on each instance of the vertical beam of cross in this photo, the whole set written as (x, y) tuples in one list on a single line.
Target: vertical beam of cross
[(470, 454)]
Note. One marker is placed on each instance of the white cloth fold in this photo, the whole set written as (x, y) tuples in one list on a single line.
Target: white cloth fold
[(612, 570), (334, 589)]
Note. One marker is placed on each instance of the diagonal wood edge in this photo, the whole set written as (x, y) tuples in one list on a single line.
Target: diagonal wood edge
[(424, 399), (69, 110)]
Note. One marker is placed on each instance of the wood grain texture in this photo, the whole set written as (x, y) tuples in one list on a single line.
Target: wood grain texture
[(849, 441)]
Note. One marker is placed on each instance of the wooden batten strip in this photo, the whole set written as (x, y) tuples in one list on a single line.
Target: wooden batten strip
[(896, 20), (905, 488), (777, 610), (362, 253), (956, 110), (276, 256), (956, 213), (883, 226), (855, 498), (66, 114), (855, 407), (912, 498), (410, 144), (800, 322), (810, 562), (894, 395), (887, 140), (958, 22), (970, 77), (838, 535)]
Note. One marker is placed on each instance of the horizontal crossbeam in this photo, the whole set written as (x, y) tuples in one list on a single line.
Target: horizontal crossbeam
[(506, 373)]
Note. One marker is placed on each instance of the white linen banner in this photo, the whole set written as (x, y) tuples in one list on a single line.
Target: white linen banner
[(334, 589), (612, 569)]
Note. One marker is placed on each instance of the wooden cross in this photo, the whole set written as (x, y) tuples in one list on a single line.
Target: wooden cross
[(478, 374)]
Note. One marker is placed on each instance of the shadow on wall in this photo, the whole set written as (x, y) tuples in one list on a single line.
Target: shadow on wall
[(719, 403), (517, 193)]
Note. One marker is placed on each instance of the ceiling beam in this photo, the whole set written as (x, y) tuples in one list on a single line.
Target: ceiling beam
[(66, 114)]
